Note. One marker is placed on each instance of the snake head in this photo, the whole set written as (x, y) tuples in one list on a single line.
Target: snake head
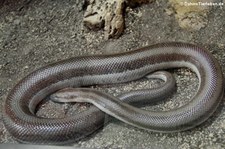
[(67, 95)]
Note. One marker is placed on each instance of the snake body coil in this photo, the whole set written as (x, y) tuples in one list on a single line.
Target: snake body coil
[(25, 126)]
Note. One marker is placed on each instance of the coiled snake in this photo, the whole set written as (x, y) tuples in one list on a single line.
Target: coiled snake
[(22, 123)]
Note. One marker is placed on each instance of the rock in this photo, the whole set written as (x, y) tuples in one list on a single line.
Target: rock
[(192, 14), (108, 14)]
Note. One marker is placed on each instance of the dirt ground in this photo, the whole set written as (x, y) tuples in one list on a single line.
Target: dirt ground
[(34, 33)]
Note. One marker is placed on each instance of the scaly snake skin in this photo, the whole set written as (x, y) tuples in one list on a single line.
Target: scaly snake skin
[(19, 109)]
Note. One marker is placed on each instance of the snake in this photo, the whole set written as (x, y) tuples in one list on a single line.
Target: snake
[(24, 125)]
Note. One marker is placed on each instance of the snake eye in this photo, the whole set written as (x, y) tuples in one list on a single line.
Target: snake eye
[(55, 97)]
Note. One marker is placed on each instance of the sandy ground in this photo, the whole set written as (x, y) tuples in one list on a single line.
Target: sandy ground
[(36, 33)]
